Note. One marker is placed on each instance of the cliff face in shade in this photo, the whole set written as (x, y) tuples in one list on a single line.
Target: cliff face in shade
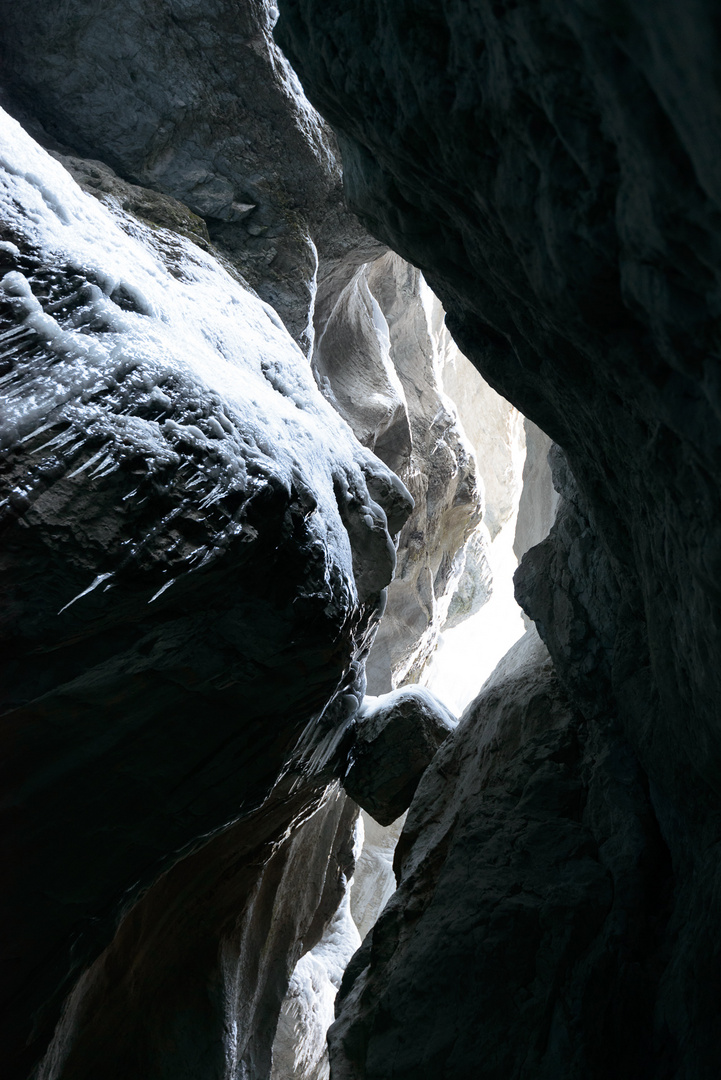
[(192, 564), (196, 101), (549, 168), (534, 893), (193, 980)]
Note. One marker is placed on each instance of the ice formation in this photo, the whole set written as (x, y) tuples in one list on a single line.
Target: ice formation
[(138, 344)]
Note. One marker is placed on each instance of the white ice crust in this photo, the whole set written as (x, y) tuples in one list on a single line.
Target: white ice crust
[(197, 322)]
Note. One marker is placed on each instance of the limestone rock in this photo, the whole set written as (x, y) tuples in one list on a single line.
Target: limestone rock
[(549, 168), (374, 881), (194, 101), (396, 737), (188, 542), (526, 936), (376, 360)]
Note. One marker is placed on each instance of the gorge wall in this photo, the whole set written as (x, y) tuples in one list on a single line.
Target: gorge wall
[(195, 546), (550, 169), (212, 372)]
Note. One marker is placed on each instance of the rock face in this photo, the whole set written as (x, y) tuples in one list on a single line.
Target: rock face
[(299, 1047), (534, 895), (539, 500), (377, 360), (190, 544), (549, 168), (494, 428), (193, 980), (196, 101), (396, 738), (174, 554), (373, 879)]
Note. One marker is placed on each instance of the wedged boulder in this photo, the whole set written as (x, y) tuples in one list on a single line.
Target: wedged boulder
[(529, 932), (192, 567), (396, 737)]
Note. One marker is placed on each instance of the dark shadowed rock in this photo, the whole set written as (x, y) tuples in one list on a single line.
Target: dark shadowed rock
[(193, 981), (549, 168), (539, 500), (526, 938), (396, 737)]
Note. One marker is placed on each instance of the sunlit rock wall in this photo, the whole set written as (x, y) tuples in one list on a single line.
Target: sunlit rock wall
[(377, 361)]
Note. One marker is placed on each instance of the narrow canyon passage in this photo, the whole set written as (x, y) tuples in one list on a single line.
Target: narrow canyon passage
[(360, 540)]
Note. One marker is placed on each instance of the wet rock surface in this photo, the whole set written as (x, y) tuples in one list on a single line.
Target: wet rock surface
[(197, 102), (181, 595)]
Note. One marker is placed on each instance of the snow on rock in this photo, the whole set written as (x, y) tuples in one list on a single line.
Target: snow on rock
[(193, 541), (144, 356)]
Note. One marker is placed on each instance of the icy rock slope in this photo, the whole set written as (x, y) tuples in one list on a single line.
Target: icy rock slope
[(156, 337), (194, 544)]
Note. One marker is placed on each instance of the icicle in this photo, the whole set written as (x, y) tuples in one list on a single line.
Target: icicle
[(98, 581)]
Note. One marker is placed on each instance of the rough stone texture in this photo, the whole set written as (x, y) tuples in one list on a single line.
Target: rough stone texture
[(173, 622), (193, 100), (551, 169), (377, 361), (539, 499), (534, 895), (396, 737)]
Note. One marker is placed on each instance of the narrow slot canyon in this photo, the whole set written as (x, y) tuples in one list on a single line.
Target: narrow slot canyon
[(360, 540)]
